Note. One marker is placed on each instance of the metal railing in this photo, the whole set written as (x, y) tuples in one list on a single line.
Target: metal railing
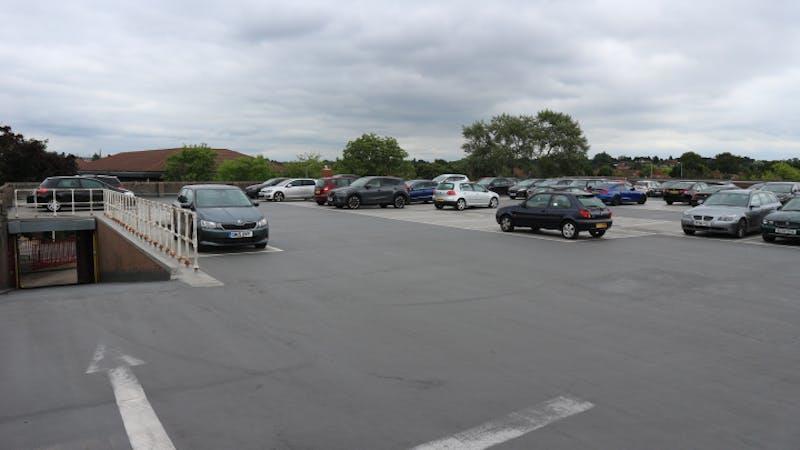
[(58, 201), (168, 228)]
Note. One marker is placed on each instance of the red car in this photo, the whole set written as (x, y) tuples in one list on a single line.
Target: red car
[(325, 185)]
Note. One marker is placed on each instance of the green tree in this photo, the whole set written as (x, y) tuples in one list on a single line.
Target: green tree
[(603, 159), (308, 165), (28, 159), (371, 154), (548, 142), (192, 163), (692, 165), (245, 169), (605, 171), (728, 163)]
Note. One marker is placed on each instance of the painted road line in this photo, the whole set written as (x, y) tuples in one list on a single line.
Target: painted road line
[(511, 426), (269, 249), (141, 422)]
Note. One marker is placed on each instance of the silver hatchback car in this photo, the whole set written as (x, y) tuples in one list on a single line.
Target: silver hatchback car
[(462, 195)]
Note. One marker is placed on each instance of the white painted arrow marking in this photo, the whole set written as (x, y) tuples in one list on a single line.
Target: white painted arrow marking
[(511, 426), (141, 422)]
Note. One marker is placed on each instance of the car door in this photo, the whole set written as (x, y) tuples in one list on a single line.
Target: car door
[(533, 212), (482, 196), (93, 192), (371, 193), (559, 206), (308, 188), (466, 191), (626, 192), (769, 204)]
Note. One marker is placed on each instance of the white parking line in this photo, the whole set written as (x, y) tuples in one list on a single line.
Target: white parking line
[(269, 249), (511, 426)]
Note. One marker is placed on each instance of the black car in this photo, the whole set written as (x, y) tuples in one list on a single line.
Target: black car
[(253, 189), (226, 217), (568, 212), (107, 179), (682, 191), (497, 184), (521, 188), (785, 190), (383, 191), (56, 193), (784, 223)]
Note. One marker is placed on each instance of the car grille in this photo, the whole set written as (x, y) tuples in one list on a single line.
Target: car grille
[(706, 218), (783, 224), (236, 226)]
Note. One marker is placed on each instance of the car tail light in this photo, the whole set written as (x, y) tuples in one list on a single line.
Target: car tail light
[(325, 188), (41, 191), (603, 191), (451, 192), (585, 214), (609, 213)]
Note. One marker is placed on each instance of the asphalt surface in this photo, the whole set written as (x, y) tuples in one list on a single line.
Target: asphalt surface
[(392, 328)]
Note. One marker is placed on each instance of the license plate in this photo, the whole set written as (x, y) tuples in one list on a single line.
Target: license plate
[(240, 234), (317, 192), (439, 200), (674, 192), (702, 223), (785, 231), (601, 225)]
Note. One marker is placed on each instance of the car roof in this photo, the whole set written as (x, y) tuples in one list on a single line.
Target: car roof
[(209, 186)]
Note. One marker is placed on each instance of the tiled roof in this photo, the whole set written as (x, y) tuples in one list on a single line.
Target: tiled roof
[(144, 160)]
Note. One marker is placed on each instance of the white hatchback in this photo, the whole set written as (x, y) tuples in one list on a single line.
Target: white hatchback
[(463, 195), (291, 189)]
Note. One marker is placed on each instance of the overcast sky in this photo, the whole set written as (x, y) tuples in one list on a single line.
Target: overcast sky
[(642, 77)]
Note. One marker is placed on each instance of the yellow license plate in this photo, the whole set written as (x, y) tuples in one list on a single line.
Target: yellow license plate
[(601, 225), (317, 192)]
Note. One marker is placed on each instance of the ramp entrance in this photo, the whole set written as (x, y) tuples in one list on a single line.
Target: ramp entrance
[(55, 258)]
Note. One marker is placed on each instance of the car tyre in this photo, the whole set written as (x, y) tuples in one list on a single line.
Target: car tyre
[(438, 206), (54, 206), (493, 203), (260, 246), (278, 197), (399, 202), (768, 237), (688, 232), (506, 224), (741, 229), (461, 204), (569, 230), (321, 202), (383, 205), (642, 200), (597, 233), (616, 201), (353, 202), (669, 202)]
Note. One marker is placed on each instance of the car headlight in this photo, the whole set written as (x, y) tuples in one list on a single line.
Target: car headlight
[(262, 222), (768, 222), (687, 213), (728, 218), (209, 224), (266, 191)]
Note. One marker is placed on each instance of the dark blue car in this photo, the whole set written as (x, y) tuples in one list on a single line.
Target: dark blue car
[(619, 193), (420, 190)]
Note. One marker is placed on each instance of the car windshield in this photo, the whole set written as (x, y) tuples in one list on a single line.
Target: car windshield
[(547, 183), (778, 188), (578, 183), (444, 186), (527, 183), (682, 185), (792, 205), (607, 186), (273, 181), (590, 201), (221, 198), (723, 198), (442, 177), (361, 182), (485, 181)]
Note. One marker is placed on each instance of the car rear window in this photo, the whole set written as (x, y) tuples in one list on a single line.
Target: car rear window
[(444, 186), (113, 181), (590, 201), (319, 183)]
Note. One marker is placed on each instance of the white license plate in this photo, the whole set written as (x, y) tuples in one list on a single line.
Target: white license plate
[(240, 234), (785, 231), (702, 223)]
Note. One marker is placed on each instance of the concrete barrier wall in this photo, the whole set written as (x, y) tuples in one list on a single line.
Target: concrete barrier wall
[(120, 260), (171, 188)]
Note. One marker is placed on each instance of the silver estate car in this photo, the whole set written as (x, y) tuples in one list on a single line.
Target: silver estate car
[(463, 195), (735, 212)]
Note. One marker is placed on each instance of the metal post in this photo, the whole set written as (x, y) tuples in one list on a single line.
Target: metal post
[(91, 201), (72, 193), (55, 211), (16, 202), (194, 239)]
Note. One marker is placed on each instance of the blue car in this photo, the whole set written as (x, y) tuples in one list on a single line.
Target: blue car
[(420, 190), (619, 193)]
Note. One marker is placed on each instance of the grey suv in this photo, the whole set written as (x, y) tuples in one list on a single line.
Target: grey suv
[(383, 191)]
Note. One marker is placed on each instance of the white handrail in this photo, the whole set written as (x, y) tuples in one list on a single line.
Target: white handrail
[(168, 228), (55, 200)]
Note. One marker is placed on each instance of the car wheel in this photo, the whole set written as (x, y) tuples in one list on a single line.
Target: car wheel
[(741, 229), (616, 201), (493, 202), (278, 197), (461, 204), (597, 233), (642, 200), (438, 206), (569, 230), (54, 206), (669, 202), (688, 232), (353, 202), (321, 202), (383, 205), (768, 237), (260, 246), (427, 201), (399, 202), (693, 203), (506, 224)]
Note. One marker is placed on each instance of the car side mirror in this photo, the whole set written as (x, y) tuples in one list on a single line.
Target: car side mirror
[(367, 186), (752, 206), (254, 203), (289, 185)]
